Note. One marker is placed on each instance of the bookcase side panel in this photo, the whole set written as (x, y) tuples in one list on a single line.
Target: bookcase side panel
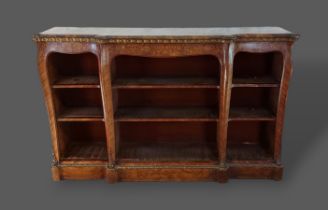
[(48, 97), (281, 104)]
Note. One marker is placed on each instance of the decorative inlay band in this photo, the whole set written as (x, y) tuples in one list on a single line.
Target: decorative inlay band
[(58, 164), (265, 39), (170, 167), (160, 40), (141, 167), (65, 39), (80, 165)]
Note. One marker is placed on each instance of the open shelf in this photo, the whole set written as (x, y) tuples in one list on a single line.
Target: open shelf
[(257, 69), (248, 114), (255, 82), (188, 82), (82, 141), (166, 104), (248, 153), (167, 141), (78, 104), (86, 151), (77, 82), (81, 113), (73, 70), (184, 72), (250, 103), (250, 141), (166, 114), (170, 151)]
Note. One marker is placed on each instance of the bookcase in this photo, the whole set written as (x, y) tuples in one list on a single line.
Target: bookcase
[(165, 104)]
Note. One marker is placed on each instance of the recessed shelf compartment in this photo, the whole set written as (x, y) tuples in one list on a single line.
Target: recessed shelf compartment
[(253, 103), (86, 151), (257, 69), (77, 82), (166, 109), (73, 70), (166, 104), (251, 153), (184, 72), (81, 114), (82, 141), (167, 98), (78, 104), (167, 141), (166, 114), (255, 82), (250, 141), (189, 82), (248, 114)]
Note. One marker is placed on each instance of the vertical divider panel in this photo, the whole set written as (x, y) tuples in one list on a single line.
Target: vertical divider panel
[(225, 92), (106, 91)]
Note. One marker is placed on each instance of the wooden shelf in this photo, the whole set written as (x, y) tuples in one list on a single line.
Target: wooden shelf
[(255, 82), (168, 151), (81, 114), (189, 82), (86, 151), (77, 82), (248, 153), (165, 114), (249, 114)]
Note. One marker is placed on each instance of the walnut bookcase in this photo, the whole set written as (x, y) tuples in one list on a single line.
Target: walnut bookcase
[(165, 104)]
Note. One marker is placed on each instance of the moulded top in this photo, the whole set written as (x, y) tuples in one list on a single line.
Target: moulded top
[(163, 33)]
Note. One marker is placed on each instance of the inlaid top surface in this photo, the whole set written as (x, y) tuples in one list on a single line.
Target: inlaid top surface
[(172, 32)]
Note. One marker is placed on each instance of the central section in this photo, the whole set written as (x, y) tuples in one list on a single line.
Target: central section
[(166, 109)]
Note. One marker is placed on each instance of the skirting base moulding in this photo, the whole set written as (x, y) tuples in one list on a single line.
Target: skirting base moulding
[(165, 104)]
